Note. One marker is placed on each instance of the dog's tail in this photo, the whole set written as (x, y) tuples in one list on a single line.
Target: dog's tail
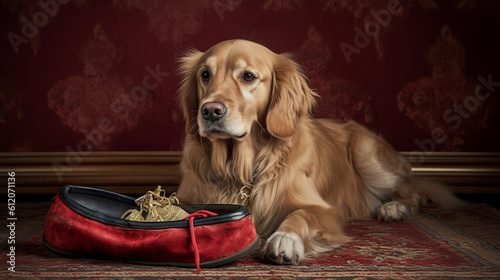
[(430, 191)]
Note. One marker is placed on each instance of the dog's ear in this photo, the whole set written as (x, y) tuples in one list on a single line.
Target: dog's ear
[(291, 98), (188, 90)]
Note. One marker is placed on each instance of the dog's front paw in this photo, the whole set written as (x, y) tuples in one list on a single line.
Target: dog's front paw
[(393, 211), (284, 248)]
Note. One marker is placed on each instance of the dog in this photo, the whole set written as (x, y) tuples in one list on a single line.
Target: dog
[(251, 140)]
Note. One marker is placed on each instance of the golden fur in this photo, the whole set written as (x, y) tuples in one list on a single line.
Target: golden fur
[(308, 175)]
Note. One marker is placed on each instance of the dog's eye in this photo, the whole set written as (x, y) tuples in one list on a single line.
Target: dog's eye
[(248, 77), (205, 75)]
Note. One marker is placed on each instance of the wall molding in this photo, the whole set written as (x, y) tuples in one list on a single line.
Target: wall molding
[(137, 172), (124, 172)]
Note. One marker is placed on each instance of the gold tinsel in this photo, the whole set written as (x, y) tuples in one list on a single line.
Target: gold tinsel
[(155, 207)]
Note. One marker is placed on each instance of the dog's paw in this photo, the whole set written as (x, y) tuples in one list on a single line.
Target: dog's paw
[(393, 211), (284, 248)]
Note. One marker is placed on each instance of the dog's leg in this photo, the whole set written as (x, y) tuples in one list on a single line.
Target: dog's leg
[(411, 192), (284, 248), (403, 205), (304, 232), (386, 175)]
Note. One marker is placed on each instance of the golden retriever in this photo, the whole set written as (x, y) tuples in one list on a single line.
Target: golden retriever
[(250, 139)]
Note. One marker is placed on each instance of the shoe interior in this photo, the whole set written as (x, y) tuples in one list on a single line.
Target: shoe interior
[(110, 207)]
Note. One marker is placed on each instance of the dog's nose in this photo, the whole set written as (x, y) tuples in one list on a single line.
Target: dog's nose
[(213, 111)]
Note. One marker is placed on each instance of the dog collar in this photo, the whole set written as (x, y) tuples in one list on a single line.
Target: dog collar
[(245, 192)]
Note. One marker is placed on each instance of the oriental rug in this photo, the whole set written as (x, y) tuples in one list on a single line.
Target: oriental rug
[(436, 244)]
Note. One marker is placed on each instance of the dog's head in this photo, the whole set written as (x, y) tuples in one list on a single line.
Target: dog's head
[(235, 84)]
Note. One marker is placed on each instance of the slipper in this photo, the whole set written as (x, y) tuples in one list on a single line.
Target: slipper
[(86, 222)]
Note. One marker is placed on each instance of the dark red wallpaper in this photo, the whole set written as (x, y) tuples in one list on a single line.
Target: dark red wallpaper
[(101, 75)]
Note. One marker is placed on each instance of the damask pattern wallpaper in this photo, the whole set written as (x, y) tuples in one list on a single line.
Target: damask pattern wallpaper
[(89, 75)]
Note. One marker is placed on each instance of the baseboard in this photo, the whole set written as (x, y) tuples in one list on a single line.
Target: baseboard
[(137, 172), (124, 172), (477, 173)]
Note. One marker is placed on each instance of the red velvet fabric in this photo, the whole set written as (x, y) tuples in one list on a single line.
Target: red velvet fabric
[(68, 231)]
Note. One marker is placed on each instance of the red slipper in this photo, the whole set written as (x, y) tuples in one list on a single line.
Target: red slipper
[(86, 222)]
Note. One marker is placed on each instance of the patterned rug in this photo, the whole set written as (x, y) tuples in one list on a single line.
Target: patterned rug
[(436, 244)]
